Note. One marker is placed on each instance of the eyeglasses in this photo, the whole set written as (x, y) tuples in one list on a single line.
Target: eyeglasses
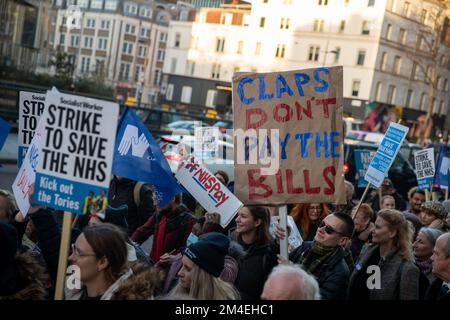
[(315, 208), (77, 253), (329, 229)]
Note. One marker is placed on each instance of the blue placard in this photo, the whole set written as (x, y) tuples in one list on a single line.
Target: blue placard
[(442, 173), (386, 153), (362, 161)]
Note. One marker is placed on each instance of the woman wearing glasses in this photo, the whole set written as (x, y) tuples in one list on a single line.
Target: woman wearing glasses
[(307, 217), (388, 261)]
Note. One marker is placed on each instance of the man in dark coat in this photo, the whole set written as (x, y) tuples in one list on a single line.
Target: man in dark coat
[(440, 288), (325, 257), (137, 196)]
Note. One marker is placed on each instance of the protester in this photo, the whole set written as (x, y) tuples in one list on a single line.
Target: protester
[(423, 249), (21, 276), (222, 176), (203, 263), (447, 222), (416, 198), (391, 252), (100, 253), (89, 204), (136, 195), (290, 282), (307, 217), (387, 202), (8, 206), (432, 215), (325, 257), (170, 227), (349, 193), (252, 232), (387, 188), (440, 288), (117, 217), (363, 229)]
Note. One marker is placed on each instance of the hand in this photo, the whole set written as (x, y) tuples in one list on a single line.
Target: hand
[(166, 259), (283, 260), (19, 217), (33, 207), (280, 233), (213, 218)]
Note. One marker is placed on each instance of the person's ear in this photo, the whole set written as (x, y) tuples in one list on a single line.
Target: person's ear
[(392, 233), (257, 222), (102, 263)]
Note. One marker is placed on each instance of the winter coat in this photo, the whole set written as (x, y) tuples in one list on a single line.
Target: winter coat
[(140, 284), (360, 239), (437, 292), (122, 192), (332, 276), (177, 229), (31, 280), (254, 268), (399, 278)]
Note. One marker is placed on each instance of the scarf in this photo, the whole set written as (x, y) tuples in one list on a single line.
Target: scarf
[(316, 256), (426, 265)]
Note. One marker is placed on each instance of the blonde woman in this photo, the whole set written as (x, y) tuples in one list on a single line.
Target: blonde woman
[(388, 261), (203, 263)]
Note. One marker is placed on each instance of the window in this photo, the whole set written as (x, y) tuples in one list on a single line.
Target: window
[(104, 25), (262, 22), (258, 49), (127, 48), (439, 83), (169, 92), (378, 89), (428, 74), (190, 67), (280, 51), (62, 39), (220, 44), (240, 47), (409, 98), (284, 24), (265, 1), (131, 8), (407, 9), (215, 73), (446, 85), (130, 29), (323, 2), (388, 31), (287, 2), (161, 55), (111, 4), (186, 93), (83, 3), (423, 101), (157, 78), (96, 4), (173, 65), (337, 54), (177, 40), (139, 73), (392, 90), (141, 51), (145, 12), (355, 88), (442, 107), (402, 36), (346, 2), (397, 64), (423, 16), (361, 57), (415, 71), (383, 61), (145, 33), (74, 41), (313, 53), (163, 37), (318, 25), (102, 43), (365, 28), (194, 43), (88, 41), (391, 5), (342, 26), (211, 97), (90, 23), (85, 64), (371, 3)]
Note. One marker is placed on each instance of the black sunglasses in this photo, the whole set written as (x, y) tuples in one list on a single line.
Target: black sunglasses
[(329, 229)]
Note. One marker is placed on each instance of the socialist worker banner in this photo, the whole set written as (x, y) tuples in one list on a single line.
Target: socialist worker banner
[(289, 136)]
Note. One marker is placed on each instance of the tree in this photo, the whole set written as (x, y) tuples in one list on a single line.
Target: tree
[(64, 65)]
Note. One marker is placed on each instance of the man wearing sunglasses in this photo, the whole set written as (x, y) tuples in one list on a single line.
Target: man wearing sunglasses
[(324, 257)]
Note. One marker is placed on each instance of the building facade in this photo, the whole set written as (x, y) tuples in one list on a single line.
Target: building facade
[(376, 42)]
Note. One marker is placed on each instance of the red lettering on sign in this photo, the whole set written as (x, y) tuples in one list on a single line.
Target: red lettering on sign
[(253, 184), (290, 183), (309, 189), (307, 111), (276, 112), (254, 111), (325, 103), (326, 172)]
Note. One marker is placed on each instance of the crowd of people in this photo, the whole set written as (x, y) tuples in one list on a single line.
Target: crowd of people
[(385, 249)]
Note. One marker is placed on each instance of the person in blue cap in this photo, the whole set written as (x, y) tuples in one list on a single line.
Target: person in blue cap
[(203, 263)]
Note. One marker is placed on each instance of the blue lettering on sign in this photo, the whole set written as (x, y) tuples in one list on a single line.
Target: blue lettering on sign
[(300, 80), (282, 86), (324, 84), (303, 137), (283, 144), (240, 90), (262, 90)]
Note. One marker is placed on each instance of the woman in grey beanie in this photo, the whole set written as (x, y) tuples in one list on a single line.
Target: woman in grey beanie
[(423, 250)]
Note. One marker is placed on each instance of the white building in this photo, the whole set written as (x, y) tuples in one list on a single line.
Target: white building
[(374, 40)]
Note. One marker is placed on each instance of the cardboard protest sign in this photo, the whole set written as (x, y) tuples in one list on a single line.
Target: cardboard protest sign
[(27, 173), (31, 106), (76, 152), (386, 153), (295, 239), (5, 127), (362, 161), (206, 144), (289, 136), (424, 167), (208, 190)]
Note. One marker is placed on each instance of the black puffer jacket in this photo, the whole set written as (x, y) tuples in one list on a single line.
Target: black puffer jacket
[(122, 192), (333, 275), (254, 268)]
